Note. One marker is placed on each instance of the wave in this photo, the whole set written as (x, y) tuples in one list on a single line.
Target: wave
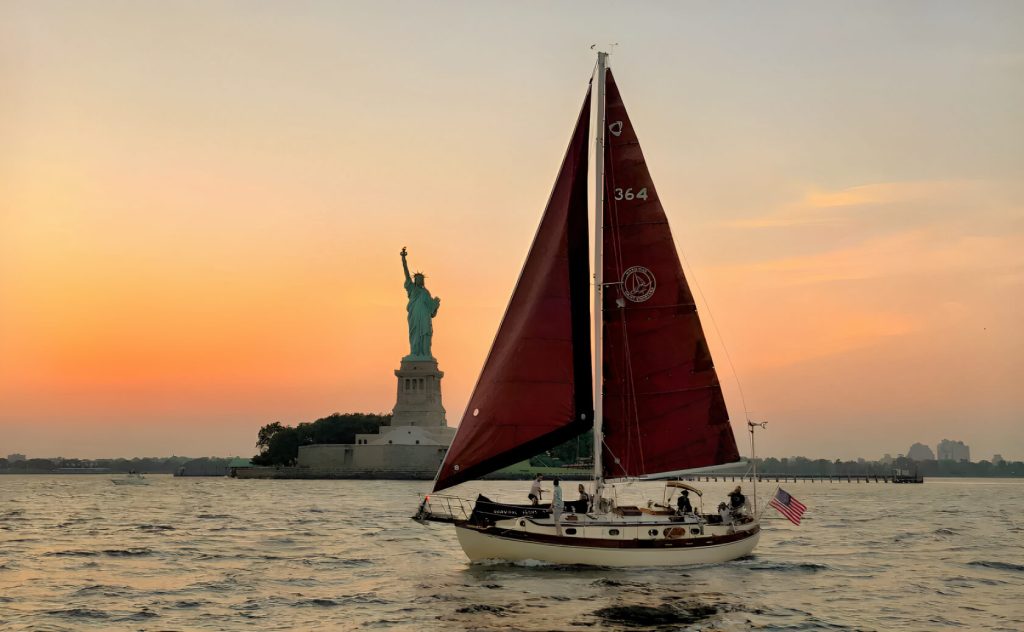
[(156, 527), (109, 552), (141, 615), (345, 561), (500, 611), (186, 603), (103, 589), (960, 581), (647, 616), (71, 521), (1003, 566), (359, 598), (617, 583), (788, 566), (320, 602), (71, 554), (135, 552), (538, 564), (80, 613)]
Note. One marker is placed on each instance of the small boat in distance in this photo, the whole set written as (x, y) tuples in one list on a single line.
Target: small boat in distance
[(131, 478), (651, 395)]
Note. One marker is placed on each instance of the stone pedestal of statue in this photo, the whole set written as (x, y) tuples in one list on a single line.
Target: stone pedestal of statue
[(419, 395)]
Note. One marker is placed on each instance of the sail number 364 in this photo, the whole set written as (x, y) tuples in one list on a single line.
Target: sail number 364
[(628, 194)]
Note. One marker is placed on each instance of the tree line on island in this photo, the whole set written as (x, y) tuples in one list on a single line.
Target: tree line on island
[(279, 444), (60, 465)]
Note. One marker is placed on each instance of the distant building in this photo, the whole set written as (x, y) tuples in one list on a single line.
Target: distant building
[(920, 452), (14, 458), (886, 459), (997, 459), (953, 451)]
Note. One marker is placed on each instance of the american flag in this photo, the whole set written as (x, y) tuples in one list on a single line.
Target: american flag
[(788, 506)]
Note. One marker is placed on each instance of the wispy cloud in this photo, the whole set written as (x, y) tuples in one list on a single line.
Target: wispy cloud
[(838, 206), (914, 252)]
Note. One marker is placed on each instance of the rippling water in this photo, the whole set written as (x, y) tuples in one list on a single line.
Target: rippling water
[(77, 552)]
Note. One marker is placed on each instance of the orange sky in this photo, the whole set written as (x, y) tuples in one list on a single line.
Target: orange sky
[(201, 208)]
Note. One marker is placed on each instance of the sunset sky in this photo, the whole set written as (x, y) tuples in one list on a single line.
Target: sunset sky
[(202, 205)]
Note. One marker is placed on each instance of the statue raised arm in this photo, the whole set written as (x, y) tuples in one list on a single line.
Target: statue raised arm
[(405, 266), (421, 308)]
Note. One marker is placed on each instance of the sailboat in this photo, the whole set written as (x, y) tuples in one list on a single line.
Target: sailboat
[(657, 409)]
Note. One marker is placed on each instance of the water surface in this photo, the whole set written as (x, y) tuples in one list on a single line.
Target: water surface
[(79, 553)]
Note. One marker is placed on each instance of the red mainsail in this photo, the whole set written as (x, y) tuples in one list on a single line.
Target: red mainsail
[(535, 388), (663, 405)]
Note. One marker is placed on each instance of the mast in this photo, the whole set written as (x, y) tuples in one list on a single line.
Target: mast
[(602, 59)]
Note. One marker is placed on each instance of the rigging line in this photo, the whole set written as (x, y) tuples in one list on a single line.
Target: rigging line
[(615, 459), (718, 332)]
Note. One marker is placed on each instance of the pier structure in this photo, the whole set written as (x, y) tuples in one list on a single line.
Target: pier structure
[(895, 477)]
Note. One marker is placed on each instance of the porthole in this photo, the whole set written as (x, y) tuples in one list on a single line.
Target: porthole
[(613, 532), (570, 531), (653, 533), (522, 523), (694, 531)]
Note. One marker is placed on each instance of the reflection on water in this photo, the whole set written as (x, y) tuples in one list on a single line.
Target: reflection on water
[(77, 552)]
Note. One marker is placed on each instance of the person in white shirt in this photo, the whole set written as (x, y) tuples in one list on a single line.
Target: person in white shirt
[(557, 505), (535, 491), (725, 513)]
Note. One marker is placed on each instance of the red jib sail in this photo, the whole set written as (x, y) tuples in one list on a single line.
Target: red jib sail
[(535, 388), (663, 405)]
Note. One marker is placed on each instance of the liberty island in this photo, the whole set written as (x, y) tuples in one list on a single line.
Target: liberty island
[(415, 441)]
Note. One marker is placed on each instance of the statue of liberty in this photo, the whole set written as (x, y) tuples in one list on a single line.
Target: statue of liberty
[(422, 308)]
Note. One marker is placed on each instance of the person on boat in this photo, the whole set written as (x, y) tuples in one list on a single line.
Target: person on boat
[(737, 499), (535, 491), (583, 504), (557, 505), (684, 503), (724, 513)]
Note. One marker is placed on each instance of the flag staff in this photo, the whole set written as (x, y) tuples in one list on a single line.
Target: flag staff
[(753, 455)]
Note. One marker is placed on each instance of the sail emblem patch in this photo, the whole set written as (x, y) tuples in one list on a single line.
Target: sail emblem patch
[(615, 128), (638, 284)]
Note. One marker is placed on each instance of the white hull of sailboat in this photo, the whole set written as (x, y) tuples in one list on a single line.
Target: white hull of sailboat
[(484, 546)]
